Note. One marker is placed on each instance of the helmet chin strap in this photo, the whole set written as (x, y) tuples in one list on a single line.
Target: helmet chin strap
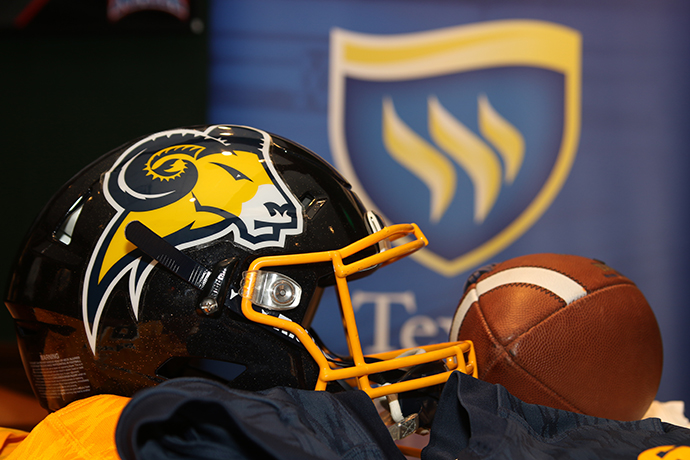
[(211, 282), (167, 255)]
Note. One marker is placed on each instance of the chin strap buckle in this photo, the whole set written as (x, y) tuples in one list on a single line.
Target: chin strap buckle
[(404, 428)]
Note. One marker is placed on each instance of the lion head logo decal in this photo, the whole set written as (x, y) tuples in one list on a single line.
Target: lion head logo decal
[(190, 187)]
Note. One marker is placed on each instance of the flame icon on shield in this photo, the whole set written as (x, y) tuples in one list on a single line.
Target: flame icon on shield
[(484, 167), (467, 149)]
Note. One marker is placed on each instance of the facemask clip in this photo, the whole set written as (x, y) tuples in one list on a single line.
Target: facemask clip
[(272, 290)]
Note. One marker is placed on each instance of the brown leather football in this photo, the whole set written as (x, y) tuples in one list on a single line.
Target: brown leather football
[(563, 331)]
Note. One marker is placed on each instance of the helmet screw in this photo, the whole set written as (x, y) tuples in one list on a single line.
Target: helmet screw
[(283, 293), (209, 305)]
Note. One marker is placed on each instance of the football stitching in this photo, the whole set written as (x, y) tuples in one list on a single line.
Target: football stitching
[(536, 288), (504, 354), (492, 338), (561, 311)]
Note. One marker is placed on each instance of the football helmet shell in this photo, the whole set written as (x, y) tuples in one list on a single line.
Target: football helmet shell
[(204, 251)]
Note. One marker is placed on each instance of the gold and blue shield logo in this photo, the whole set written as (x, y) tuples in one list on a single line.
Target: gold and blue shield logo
[(469, 131)]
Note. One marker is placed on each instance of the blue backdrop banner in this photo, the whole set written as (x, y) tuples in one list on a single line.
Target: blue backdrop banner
[(574, 113)]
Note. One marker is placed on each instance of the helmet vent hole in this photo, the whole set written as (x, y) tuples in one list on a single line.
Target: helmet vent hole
[(66, 229), (312, 205)]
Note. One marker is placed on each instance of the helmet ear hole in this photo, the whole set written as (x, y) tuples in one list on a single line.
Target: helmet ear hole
[(222, 371)]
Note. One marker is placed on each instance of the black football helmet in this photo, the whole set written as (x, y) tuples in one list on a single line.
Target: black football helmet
[(204, 251)]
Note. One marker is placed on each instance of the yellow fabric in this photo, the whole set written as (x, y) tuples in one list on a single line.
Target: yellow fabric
[(83, 430), (9, 440)]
